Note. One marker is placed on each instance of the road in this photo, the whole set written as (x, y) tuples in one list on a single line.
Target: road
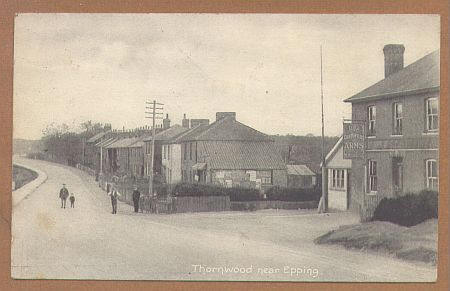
[(88, 242)]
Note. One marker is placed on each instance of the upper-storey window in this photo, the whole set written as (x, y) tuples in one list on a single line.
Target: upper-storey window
[(432, 114), (398, 118), (371, 119)]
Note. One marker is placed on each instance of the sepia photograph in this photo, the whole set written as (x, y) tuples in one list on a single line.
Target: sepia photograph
[(226, 147)]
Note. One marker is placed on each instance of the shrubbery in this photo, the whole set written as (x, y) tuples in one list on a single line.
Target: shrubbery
[(186, 189), (246, 194), (408, 210), (236, 194), (293, 194)]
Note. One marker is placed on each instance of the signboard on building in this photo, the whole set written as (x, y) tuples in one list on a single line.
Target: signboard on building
[(354, 140)]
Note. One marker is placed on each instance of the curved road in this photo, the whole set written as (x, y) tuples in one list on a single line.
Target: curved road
[(88, 242)]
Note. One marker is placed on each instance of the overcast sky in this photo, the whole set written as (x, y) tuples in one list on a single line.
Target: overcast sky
[(266, 67)]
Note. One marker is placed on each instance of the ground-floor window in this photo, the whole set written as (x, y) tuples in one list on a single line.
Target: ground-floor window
[(432, 174), (372, 176), (337, 179)]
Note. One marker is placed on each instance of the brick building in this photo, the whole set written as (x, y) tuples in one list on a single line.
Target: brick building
[(231, 154), (402, 124)]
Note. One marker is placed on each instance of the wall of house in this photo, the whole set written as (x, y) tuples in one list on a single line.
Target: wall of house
[(298, 181), (172, 162), (247, 178), (187, 161), (136, 161), (148, 157), (413, 147)]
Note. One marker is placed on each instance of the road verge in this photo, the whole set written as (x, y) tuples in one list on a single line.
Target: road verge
[(21, 193)]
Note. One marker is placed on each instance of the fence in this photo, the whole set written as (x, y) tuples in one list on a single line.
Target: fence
[(201, 203), (273, 204), (86, 169)]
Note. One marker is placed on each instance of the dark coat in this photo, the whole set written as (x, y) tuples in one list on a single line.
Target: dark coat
[(63, 193), (136, 195)]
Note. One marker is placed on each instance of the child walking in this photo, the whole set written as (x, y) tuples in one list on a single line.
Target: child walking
[(72, 200)]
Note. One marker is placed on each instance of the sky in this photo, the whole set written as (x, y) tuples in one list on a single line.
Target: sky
[(70, 68)]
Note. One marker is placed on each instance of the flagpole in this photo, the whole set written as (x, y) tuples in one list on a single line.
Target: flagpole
[(324, 172)]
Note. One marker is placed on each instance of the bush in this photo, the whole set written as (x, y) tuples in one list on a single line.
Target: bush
[(293, 194), (186, 189), (236, 194), (408, 210), (243, 194)]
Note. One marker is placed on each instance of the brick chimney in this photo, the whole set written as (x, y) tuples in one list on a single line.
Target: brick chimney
[(185, 122), (196, 122), (220, 115), (166, 122), (393, 58)]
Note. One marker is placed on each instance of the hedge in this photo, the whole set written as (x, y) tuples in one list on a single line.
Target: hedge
[(293, 194), (408, 210), (236, 194)]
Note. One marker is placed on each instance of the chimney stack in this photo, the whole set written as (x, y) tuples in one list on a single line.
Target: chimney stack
[(196, 122), (166, 122), (185, 122), (220, 115), (393, 58)]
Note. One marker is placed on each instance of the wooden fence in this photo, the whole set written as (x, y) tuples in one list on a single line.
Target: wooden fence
[(273, 204), (202, 204)]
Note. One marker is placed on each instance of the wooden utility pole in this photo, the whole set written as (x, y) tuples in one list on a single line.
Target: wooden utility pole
[(153, 114)]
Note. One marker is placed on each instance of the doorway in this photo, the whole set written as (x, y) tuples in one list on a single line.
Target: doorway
[(397, 175)]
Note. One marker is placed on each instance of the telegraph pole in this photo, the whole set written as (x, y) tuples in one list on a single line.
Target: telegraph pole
[(153, 114)]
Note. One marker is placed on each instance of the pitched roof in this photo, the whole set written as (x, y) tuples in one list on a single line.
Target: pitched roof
[(97, 137), (106, 142), (169, 133), (422, 75), (231, 155), (190, 134), (226, 129), (299, 170), (122, 143)]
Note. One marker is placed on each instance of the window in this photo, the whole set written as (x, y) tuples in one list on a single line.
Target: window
[(432, 174), (164, 151), (266, 180), (337, 179), (432, 108), (372, 176), (185, 151), (168, 152), (371, 119), (397, 118), (190, 151)]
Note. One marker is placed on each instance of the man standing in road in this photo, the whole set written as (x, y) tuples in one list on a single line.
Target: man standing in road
[(63, 194), (136, 197), (114, 196)]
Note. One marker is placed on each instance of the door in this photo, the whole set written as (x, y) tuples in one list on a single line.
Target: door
[(397, 175)]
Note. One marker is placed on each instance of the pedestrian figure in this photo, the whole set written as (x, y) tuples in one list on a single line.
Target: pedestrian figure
[(136, 197), (72, 200), (63, 194), (114, 196)]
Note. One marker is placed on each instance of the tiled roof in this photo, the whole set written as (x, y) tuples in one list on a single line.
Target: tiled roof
[(421, 75), (96, 137), (106, 142), (123, 143), (234, 155), (299, 170), (226, 129), (169, 133), (190, 134)]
